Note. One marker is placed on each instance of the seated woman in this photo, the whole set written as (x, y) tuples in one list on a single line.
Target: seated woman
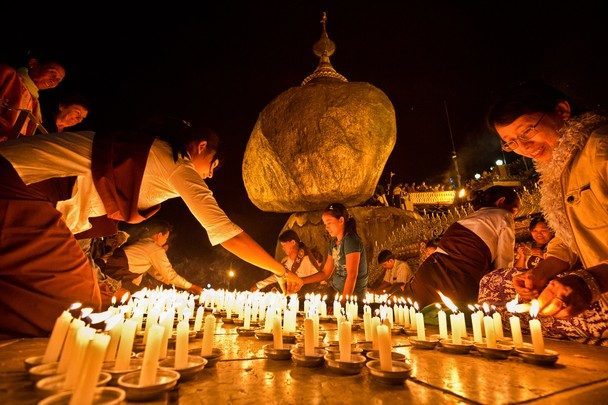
[(53, 187), (130, 263), (469, 249), (297, 259), (570, 152), (529, 255), (346, 263)]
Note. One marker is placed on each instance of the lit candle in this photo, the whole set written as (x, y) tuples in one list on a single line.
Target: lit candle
[(83, 337), (181, 345), (455, 323), (309, 337), (443, 324), (375, 324), (58, 335), (420, 326), (247, 316), (208, 335), (89, 374), (277, 333), (462, 325), (535, 329), (166, 321), (515, 323), (315, 322), (125, 346), (477, 338), (497, 324), (198, 320), (151, 354), (114, 337), (367, 325), (413, 317), (488, 323), (384, 346), (70, 341), (345, 341)]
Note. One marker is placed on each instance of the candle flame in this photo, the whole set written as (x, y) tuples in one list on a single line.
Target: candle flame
[(75, 305), (448, 302), (113, 301), (486, 308), (512, 304), (438, 306), (124, 298), (409, 301), (86, 312), (325, 298), (98, 317), (471, 307), (534, 308), (112, 322), (416, 306)]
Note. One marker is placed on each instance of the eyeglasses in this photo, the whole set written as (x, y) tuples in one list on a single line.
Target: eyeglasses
[(525, 136)]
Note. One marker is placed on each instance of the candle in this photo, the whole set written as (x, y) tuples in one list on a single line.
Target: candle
[(181, 345), (125, 346), (412, 313), (345, 341), (462, 325), (198, 320), (89, 374), (515, 323), (367, 325), (535, 329), (247, 316), (477, 337), (443, 324), (315, 321), (277, 333), (151, 355), (488, 323), (455, 323), (375, 324), (58, 335), (166, 321), (384, 346), (115, 333), (70, 340), (309, 337), (420, 326), (498, 325), (208, 335), (83, 337), (151, 320)]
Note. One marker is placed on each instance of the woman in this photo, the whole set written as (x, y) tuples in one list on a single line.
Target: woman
[(346, 263), (95, 181), (529, 255), (469, 249), (570, 152)]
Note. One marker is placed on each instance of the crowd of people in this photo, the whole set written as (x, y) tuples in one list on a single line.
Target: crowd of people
[(64, 187)]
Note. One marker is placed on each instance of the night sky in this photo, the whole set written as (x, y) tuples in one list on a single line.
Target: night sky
[(223, 64)]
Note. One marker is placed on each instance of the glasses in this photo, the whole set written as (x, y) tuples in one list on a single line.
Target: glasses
[(525, 136)]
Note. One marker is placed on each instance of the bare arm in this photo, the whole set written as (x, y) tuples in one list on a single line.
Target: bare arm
[(243, 246), (352, 269), (324, 274)]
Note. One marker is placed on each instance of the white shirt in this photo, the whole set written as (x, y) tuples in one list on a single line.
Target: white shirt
[(496, 228), (306, 269), (146, 256), (400, 273), (42, 157)]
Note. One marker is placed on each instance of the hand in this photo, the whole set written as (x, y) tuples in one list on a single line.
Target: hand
[(195, 289), (528, 284), (565, 297), (254, 288), (293, 282)]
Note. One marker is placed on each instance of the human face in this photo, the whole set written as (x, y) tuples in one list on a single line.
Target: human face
[(70, 115), (203, 159), (541, 234), (161, 238), (535, 135), (387, 265), (46, 76), (290, 247), (333, 226)]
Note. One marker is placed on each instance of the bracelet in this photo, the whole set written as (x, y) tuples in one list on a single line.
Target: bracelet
[(590, 282)]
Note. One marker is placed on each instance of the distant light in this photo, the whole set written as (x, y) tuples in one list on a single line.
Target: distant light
[(477, 176), (231, 273), (499, 162), (462, 193)]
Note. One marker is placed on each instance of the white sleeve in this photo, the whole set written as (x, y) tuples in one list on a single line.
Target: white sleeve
[(387, 276), (164, 271), (199, 199), (403, 272), (306, 268), (267, 281), (505, 251)]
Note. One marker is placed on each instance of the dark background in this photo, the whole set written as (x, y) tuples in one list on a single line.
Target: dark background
[(224, 63)]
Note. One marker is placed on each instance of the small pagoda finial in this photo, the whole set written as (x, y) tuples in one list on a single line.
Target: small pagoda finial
[(324, 48)]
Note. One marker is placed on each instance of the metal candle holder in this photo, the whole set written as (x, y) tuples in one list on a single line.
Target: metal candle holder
[(427, 344), (55, 383), (278, 354), (101, 396), (398, 373), (500, 352), (212, 358), (108, 367), (243, 331), (375, 355), (351, 367), (301, 359), (195, 365), (32, 361), (548, 358), (41, 371), (447, 345), (165, 381)]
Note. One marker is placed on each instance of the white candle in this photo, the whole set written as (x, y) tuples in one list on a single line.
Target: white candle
[(181, 345), (167, 323), (337, 308), (208, 335), (345, 341), (488, 323), (455, 323), (58, 335), (198, 320), (516, 331), (83, 337), (115, 333), (125, 346), (375, 324), (277, 333), (420, 326), (68, 348), (477, 336), (443, 324), (309, 337), (151, 320), (535, 329), (384, 346), (151, 354), (413, 317), (406, 316), (498, 325), (89, 374), (247, 317), (315, 320), (367, 326)]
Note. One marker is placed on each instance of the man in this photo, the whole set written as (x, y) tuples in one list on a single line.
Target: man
[(19, 91), (297, 259), (398, 273)]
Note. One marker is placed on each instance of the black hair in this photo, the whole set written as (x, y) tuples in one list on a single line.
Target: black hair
[(153, 227), (338, 210), (434, 242), (524, 98), (288, 236), (488, 197), (537, 219), (385, 256)]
